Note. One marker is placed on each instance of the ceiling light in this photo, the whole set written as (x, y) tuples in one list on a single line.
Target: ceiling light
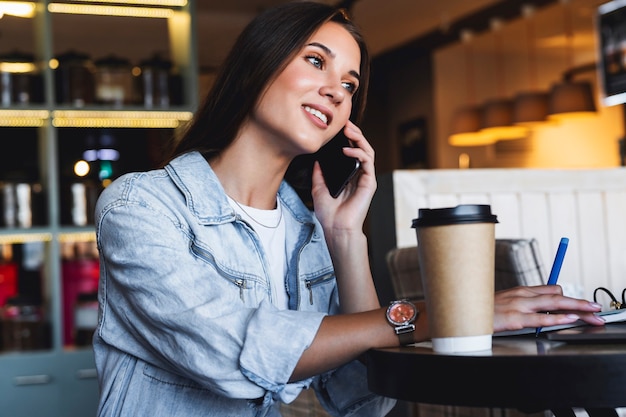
[(17, 8), (23, 118), (467, 121), (568, 98), (571, 99), (530, 108), (110, 10), (498, 112), (119, 119), (161, 3), (498, 120), (466, 124)]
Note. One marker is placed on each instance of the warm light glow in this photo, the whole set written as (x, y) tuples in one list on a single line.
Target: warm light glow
[(465, 129), (530, 108), (117, 123), (162, 3), (17, 8), (23, 118), (178, 115), (466, 124), (94, 9), (506, 132), (24, 237), (119, 119), (498, 121), (555, 118), (81, 168), (95, 118), (540, 123), (464, 161), (569, 99), (17, 67), (21, 122), (41, 114), (471, 139), (77, 237)]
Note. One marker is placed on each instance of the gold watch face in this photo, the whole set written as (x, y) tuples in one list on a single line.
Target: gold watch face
[(401, 312)]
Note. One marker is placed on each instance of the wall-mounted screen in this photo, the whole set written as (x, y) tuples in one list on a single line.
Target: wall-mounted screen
[(611, 25)]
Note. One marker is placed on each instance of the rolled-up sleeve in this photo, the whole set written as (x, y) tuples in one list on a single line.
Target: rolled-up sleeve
[(269, 356)]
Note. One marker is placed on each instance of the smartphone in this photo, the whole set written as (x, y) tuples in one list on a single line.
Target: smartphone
[(337, 168)]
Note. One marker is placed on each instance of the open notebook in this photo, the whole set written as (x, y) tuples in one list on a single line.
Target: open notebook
[(610, 316), (609, 333)]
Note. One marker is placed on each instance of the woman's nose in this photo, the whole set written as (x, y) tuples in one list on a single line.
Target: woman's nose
[(335, 93)]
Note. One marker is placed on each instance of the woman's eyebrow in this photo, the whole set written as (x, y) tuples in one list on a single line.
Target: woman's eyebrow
[(324, 47), (332, 55)]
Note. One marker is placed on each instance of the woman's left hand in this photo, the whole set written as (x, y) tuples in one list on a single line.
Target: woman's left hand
[(349, 209), (528, 306)]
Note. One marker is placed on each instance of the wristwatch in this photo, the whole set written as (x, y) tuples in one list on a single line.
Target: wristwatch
[(401, 314)]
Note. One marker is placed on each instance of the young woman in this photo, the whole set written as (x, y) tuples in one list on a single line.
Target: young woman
[(222, 293)]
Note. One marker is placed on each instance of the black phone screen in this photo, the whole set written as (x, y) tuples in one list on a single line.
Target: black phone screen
[(337, 168)]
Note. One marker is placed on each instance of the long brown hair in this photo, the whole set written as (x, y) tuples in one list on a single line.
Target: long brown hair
[(259, 54)]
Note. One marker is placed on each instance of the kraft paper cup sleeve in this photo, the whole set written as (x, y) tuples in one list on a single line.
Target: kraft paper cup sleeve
[(456, 248)]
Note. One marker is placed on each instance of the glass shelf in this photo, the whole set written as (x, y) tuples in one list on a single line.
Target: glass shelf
[(51, 264)]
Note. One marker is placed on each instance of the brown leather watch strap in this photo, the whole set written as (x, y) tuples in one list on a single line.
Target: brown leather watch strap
[(406, 338)]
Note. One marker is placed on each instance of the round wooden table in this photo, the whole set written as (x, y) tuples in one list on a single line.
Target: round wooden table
[(523, 372)]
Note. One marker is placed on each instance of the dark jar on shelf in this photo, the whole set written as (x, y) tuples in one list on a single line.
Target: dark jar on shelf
[(22, 204), (20, 81), (85, 318), (74, 79), (155, 81), (23, 326), (114, 81), (78, 202)]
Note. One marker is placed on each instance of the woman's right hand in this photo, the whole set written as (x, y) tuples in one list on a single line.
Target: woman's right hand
[(349, 209), (541, 306)]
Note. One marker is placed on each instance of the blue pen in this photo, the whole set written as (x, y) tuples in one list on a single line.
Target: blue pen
[(556, 267)]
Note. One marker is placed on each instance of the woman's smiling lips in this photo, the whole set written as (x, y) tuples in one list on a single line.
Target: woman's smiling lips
[(319, 115)]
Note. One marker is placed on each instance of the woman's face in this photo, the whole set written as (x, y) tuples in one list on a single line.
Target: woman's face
[(311, 99)]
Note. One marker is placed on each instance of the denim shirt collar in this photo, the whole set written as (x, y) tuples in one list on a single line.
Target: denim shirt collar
[(193, 175)]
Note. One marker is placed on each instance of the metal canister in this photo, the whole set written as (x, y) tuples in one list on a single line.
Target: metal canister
[(78, 200), (74, 79), (17, 205), (20, 82), (114, 81), (22, 204), (155, 81)]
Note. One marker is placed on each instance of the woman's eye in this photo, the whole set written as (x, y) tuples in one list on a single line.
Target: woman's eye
[(316, 61), (350, 87)]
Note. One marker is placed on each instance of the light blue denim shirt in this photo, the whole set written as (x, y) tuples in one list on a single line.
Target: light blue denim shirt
[(186, 324)]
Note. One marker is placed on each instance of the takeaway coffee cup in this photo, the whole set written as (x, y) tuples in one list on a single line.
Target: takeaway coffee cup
[(456, 248)]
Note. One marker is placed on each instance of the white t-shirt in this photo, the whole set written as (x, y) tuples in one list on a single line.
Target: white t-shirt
[(270, 226)]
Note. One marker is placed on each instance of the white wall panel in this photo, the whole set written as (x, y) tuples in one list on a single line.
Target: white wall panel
[(587, 206)]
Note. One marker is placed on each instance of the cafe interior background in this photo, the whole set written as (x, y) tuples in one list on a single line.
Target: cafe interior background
[(432, 61), (492, 67)]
